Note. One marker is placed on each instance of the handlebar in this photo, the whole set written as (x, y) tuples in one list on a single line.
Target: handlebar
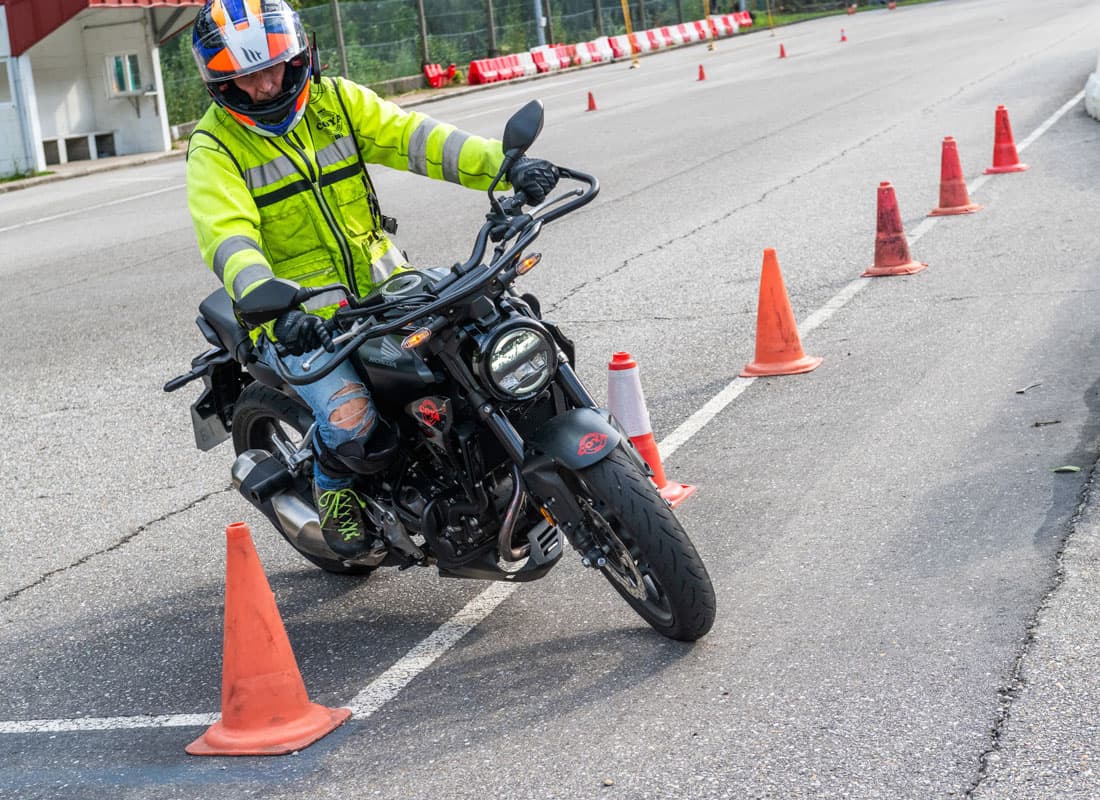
[(464, 279)]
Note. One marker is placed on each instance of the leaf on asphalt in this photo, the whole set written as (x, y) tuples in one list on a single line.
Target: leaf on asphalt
[(1029, 386), (1067, 468)]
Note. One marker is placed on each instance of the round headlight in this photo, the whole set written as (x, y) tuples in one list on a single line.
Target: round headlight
[(520, 361)]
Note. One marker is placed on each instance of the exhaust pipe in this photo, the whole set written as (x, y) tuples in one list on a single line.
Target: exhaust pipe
[(267, 484)]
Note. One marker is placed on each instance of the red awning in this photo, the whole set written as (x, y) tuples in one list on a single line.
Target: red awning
[(31, 21)]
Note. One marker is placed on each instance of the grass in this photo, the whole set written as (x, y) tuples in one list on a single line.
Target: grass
[(21, 176)]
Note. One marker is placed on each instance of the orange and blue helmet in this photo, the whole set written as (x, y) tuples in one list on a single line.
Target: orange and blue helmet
[(233, 38)]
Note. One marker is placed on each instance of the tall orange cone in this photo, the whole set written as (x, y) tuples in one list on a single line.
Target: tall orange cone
[(954, 198), (626, 401), (702, 73), (591, 102), (782, 51), (1005, 158), (843, 35), (778, 348), (265, 710), (891, 246)]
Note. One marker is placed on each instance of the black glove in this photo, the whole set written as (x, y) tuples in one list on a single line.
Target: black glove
[(297, 332), (534, 177)]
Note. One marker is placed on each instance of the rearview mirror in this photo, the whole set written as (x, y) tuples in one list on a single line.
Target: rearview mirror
[(523, 128)]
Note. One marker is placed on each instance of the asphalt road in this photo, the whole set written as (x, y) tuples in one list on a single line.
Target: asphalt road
[(882, 532)]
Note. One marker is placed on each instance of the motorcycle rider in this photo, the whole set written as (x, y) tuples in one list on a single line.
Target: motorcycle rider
[(280, 197)]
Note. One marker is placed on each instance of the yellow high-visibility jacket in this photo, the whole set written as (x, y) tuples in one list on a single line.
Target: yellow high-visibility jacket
[(301, 206)]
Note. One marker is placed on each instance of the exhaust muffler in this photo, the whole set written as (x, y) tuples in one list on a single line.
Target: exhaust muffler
[(265, 482)]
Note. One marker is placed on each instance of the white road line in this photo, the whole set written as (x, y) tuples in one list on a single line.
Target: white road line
[(693, 424), (96, 207), (387, 685), (390, 683), (106, 723)]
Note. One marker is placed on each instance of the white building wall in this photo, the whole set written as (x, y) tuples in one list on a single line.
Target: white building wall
[(73, 78), (135, 119), (14, 155), (64, 92)]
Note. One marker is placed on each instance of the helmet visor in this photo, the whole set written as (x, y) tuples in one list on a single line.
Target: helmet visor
[(240, 37)]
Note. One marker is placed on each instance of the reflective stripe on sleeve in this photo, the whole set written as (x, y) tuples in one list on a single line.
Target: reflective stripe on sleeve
[(229, 248), (248, 276), (332, 298), (452, 149), (418, 146)]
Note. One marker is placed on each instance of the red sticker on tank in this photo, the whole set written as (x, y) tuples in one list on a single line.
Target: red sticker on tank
[(591, 443), (429, 413)]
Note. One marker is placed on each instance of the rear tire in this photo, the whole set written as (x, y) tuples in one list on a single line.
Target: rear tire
[(263, 414), (647, 541)]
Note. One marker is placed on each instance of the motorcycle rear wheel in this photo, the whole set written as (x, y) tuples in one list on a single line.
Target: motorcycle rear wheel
[(650, 560), (260, 415)]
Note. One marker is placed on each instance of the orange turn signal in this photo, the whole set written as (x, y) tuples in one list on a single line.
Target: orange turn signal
[(528, 263), (416, 338)]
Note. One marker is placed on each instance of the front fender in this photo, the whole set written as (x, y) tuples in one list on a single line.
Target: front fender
[(576, 439)]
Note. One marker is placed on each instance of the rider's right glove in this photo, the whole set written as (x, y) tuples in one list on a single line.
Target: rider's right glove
[(297, 332), (535, 177)]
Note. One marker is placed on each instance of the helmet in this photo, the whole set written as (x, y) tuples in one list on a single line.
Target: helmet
[(232, 38)]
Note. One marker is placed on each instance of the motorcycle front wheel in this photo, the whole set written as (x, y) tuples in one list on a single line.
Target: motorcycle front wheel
[(648, 557), (262, 416)]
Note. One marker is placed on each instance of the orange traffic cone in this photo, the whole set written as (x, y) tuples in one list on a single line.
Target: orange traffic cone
[(1005, 158), (702, 73), (265, 710), (782, 51), (843, 35), (778, 348), (591, 102), (954, 198), (627, 403), (891, 246)]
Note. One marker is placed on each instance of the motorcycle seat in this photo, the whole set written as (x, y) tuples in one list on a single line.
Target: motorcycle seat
[(217, 310)]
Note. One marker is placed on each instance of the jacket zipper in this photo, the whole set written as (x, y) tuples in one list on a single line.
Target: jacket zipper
[(315, 185)]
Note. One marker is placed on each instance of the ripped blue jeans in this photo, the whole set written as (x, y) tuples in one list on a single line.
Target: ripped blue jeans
[(340, 402)]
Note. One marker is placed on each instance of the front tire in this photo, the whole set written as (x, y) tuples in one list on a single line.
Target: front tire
[(261, 417), (650, 560)]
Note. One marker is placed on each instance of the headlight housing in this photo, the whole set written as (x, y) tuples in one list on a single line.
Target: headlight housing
[(517, 361)]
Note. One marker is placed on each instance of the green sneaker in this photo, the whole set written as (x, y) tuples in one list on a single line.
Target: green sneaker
[(342, 522)]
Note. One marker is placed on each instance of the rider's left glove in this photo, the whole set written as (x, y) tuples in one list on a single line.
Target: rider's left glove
[(535, 177), (297, 332)]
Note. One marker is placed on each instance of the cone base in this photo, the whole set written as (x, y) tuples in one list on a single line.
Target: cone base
[(317, 721), (947, 211), (1009, 168), (793, 367), (908, 268), (676, 493)]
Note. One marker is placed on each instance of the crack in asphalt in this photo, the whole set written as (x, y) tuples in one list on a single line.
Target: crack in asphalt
[(124, 540), (740, 146), (1008, 694)]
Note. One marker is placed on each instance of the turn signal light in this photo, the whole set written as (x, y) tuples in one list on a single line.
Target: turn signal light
[(416, 338), (528, 263)]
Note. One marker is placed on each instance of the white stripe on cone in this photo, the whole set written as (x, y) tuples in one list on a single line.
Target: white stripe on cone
[(626, 401)]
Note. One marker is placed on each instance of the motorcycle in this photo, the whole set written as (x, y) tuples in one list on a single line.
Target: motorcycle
[(504, 455)]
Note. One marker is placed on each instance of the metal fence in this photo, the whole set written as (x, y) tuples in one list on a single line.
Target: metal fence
[(382, 38)]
